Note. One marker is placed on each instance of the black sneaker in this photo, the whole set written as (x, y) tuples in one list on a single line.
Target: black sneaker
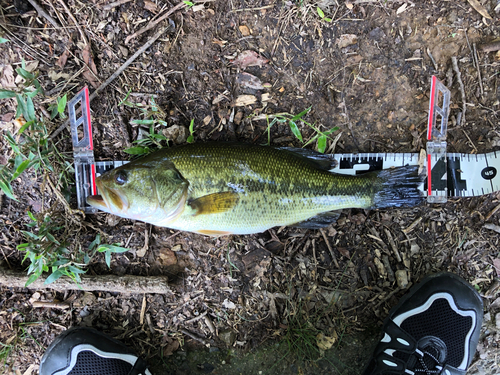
[(434, 329), (85, 351)]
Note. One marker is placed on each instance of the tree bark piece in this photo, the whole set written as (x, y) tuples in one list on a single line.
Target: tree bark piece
[(128, 284)]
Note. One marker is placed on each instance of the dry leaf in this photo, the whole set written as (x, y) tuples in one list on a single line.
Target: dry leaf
[(244, 30), (228, 304), (7, 81), (479, 8), (402, 8), (89, 61), (325, 342), (496, 264), (171, 347), (249, 58), (149, 5), (55, 76), (32, 65), (244, 100), (197, 8), (249, 81), (344, 252), (346, 40), (220, 43), (167, 257), (61, 61), (141, 252)]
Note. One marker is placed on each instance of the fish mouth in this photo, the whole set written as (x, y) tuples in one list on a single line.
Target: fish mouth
[(109, 200), (97, 201)]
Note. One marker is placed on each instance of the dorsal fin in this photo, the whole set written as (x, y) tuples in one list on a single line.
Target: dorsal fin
[(316, 159)]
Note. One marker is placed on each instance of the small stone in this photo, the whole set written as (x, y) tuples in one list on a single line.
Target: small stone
[(228, 337), (176, 248), (402, 278), (175, 133)]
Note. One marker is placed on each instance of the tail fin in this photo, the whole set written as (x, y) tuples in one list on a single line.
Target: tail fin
[(399, 187)]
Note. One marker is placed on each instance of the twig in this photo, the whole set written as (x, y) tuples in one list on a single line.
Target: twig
[(82, 34), (491, 47), (253, 9), (470, 140), (493, 212), (51, 305), (154, 23), (462, 89), (114, 75), (478, 69), (334, 258), (193, 336), (43, 13), (115, 4), (196, 318), (412, 226), (432, 59)]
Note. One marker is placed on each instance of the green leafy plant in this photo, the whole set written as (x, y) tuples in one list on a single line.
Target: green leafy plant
[(3, 40), (190, 138), (149, 143), (96, 247), (47, 252), (32, 148), (58, 108), (189, 4), (153, 116), (321, 14), (293, 121)]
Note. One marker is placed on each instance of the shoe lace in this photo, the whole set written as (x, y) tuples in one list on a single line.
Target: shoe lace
[(429, 364)]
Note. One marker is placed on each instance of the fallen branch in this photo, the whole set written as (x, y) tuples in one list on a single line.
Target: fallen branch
[(128, 284), (154, 23), (43, 13), (491, 47), (462, 89), (476, 60), (115, 4)]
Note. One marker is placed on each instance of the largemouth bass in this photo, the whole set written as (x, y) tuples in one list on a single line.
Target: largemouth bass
[(219, 189)]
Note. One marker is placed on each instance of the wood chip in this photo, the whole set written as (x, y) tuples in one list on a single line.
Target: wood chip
[(244, 30), (493, 227), (244, 100)]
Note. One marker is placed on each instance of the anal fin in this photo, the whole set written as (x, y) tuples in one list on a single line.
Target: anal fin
[(213, 233), (319, 221)]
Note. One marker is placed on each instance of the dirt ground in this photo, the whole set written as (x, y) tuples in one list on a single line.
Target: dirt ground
[(367, 72)]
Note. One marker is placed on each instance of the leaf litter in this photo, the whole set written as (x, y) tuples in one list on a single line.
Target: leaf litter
[(244, 290)]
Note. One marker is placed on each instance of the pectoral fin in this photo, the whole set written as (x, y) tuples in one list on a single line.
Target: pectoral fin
[(214, 203)]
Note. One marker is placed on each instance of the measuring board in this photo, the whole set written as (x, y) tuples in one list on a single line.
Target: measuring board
[(448, 174)]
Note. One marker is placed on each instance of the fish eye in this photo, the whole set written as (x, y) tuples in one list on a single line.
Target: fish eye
[(121, 178)]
